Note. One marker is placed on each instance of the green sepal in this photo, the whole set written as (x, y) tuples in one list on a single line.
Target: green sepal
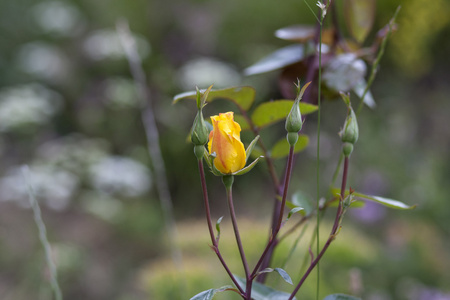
[(250, 148), (247, 168)]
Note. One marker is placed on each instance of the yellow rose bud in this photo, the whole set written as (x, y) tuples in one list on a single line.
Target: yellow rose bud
[(225, 142)]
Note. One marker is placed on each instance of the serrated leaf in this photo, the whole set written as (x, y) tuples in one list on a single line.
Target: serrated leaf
[(281, 148), (242, 96), (340, 297), (269, 113), (280, 58), (263, 292), (359, 89), (209, 294), (359, 17), (298, 33)]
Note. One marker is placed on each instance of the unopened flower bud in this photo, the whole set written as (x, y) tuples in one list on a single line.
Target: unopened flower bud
[(294, 119), (350, 132), (199, 133)]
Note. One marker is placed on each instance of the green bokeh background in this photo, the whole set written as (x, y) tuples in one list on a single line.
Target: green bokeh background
[(114, 246)]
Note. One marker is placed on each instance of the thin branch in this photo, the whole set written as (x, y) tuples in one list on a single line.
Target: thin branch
[(215, 246), (151, 130), (42, 235)]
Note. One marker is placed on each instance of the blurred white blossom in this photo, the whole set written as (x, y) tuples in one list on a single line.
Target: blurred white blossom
[(43, 60), (121, 93), (31, 104), (344, 72), (105, 44), (203, 72), (52, 186), (57, 17), (74, 153), (120, 176)]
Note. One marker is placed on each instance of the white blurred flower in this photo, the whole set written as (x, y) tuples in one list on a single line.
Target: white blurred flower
[(57, 17), (105, 44), (30, 104), (121, 93), (344, 72), (43, 60), (74, 153), (54, 187), (101, 205), (121, 176), (203, 72)]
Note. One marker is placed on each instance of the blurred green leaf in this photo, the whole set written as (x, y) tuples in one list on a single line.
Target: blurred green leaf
[(262, 292), (269, 113), (359, 17), (300, 199), (242, 96), (242, 122), (280, 58), (385, 201), (280, 271), (218, 227), (340, 297), (209, 294), (293, 211), (281, 148)]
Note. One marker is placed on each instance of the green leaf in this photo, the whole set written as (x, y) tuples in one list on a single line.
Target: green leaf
[(209, 294), (340, 297), (242, 122), (359, 89), (359, 17), (300, 199), (218, 228), (280, 58), (284, 275), (281, 148), (269, 113), (263, 292), (293, 211), (250, 148), (242, 96), (385, 201)]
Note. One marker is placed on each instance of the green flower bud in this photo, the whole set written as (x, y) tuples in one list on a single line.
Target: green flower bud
[(350, 132), (292, 138), (199, 133), (294, 119)]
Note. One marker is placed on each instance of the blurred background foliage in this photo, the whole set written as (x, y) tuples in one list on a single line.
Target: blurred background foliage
[(69, 109)]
